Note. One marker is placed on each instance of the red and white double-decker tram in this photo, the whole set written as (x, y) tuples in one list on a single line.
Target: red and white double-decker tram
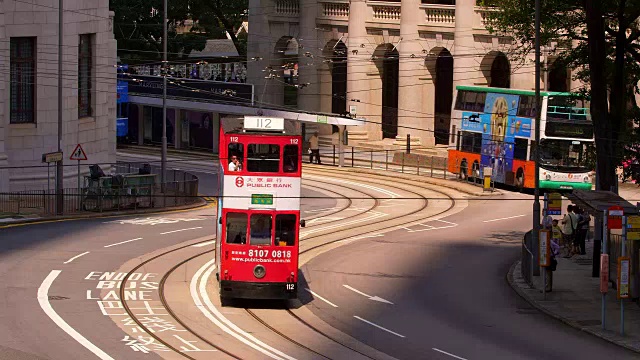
[(259, 208)]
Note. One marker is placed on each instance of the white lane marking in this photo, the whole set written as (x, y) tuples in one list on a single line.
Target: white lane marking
[(357, 291), (204, 244), (374, 298), (175, 231), (207, 301), (505, 218), (43, 300), (341, 181), (351, 239), (75, 257), (209, 310), (374, 215), (446, 353), (324, 219), (321, 298), (320, 210), (123, 242), (378, 326)]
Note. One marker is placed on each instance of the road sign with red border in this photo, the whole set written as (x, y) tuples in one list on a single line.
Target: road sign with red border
[(78, 153)]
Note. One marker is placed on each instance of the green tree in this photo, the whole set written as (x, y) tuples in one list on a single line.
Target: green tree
[(598, 39), (138, 26)]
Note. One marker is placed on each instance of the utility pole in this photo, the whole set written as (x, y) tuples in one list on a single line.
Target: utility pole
[(164, 101), (536, 201), (59, 167)]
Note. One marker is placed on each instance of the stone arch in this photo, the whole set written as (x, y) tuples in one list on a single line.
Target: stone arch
[(335, 52), (558, 76), (387, 60), (496, 68), (439, 63), (285, 64)]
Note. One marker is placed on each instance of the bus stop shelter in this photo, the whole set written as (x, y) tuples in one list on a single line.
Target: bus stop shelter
[(596, 203)]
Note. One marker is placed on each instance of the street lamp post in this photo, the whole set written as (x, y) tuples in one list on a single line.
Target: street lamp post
[(536, 201), (59, 167), (163, 166)]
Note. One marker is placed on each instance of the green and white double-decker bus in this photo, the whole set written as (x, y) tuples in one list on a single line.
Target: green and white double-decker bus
[(495, 128)]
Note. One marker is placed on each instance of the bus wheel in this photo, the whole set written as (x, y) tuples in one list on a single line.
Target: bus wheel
[(519, 180)]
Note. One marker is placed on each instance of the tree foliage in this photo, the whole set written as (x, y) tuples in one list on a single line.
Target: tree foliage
[(599, 41), (138, 26)]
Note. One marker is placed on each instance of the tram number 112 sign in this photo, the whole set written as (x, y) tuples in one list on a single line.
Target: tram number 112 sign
[(263, 123)]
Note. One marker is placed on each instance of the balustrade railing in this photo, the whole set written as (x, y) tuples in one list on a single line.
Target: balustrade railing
[(287, 7), (386, 12), (440, 14), (335, 9)]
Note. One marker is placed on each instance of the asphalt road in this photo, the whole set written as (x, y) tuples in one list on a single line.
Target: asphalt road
[(449, 292), (434, 290)]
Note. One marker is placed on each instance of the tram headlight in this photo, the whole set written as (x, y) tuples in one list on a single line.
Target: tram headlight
[(259, 271)]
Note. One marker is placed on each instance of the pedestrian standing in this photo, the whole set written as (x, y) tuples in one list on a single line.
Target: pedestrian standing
[(569, 225), (584, 222), (314, 148)]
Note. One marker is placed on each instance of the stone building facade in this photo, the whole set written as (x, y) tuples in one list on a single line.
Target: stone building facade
[(395, 63), (29, 88)]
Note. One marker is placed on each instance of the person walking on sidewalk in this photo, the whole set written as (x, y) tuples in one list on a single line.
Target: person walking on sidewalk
[(314, 148), (570, 223)]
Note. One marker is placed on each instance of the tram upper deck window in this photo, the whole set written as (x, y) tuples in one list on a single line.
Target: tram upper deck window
[(263, 158), (260, 229), (236, 228), (290, 158), (236, 155), (286, 229)]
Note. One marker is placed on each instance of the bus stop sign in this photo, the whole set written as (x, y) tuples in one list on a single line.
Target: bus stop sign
[(614, 217)]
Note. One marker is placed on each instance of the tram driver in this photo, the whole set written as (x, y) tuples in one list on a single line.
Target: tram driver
[(235, 164)]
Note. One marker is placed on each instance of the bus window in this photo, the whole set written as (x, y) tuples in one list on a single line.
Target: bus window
[(469, 100), (520, 149), (260, 229), (236, 228), (527, 107), (263, 158), (236, 155), (290, 158), (467, 141), (477, 143), (286, 230)]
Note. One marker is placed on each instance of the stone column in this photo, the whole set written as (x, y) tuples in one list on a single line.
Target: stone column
[(465, 65), (258, 46), (357, 83), (308, 98), (411, 116)]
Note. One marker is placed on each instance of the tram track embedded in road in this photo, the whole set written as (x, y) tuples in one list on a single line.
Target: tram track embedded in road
[(164, 302)]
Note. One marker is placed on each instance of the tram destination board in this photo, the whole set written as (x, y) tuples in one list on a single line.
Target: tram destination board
[(261, 199)]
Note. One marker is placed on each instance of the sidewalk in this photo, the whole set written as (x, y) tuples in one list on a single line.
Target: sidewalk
[(576, 300)]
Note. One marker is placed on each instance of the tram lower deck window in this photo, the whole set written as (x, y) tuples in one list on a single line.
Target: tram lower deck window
[(263, 158), (290, 158), (261, 225), (286, 225), (236, 228)]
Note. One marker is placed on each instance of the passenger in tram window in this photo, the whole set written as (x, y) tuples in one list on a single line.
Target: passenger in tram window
[(235, 164), (260, 229), (239, 239)]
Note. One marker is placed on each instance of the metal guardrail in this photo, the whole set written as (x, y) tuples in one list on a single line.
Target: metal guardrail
[(181, 188), (399, 161)]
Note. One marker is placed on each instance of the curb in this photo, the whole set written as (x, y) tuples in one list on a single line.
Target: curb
[(560, 318), (198, 205), (412, 177)]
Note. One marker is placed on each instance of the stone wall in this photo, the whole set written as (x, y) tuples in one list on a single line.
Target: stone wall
[(24, 144)]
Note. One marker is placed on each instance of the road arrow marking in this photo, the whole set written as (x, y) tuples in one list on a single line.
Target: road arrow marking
[(374, 298)]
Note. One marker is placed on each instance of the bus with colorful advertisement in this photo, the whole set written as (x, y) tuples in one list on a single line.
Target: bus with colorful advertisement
[(495, 128), (260, 162)]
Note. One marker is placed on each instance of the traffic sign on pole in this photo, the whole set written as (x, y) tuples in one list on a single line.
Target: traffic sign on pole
[(633, 227), (554, 205), (623, 277), (78, 153), (544, 253)]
